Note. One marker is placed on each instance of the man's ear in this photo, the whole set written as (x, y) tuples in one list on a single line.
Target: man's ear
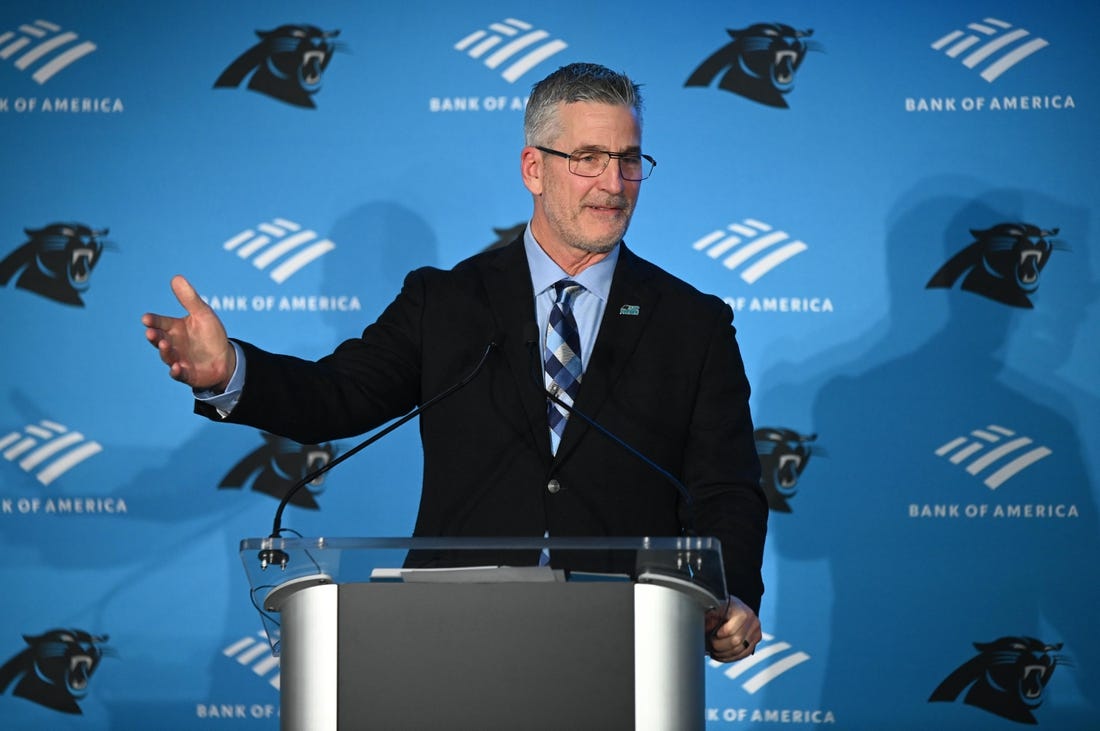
[(531, 169)]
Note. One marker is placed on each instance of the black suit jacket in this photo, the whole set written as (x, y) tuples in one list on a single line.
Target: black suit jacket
[(665, 375)]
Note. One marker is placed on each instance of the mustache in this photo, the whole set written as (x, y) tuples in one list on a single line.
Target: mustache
[(612, 202)]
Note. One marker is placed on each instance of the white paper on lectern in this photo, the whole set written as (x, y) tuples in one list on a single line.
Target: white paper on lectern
[(470, 574)]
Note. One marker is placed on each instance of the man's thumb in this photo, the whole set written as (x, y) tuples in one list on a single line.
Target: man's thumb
[(187, 295)]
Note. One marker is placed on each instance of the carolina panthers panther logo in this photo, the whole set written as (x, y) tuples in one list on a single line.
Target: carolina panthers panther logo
[(56, 262), (784, 455), (287, 63), (759, 64), (1007, 677), (277, 466), (1002, 263), (54, 671)]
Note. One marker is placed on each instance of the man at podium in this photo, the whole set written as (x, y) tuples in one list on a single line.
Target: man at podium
[(609, 397)]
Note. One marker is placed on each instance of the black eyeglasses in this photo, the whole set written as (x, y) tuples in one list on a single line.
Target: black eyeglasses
[(591, 163)]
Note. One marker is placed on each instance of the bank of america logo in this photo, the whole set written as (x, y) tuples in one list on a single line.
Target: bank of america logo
[(523, 47), (42, 48), (255, 653), (280, 248), (995, 454), (770, 660), (751, 247), (992, 45), (47, 449)]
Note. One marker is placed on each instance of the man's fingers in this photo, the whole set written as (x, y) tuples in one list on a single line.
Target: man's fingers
[(736, 633), (158, 323), (176, 372), (187, 295), (167, 353)]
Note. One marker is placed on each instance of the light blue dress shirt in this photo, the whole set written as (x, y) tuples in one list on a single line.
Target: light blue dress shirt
[(589, 303)]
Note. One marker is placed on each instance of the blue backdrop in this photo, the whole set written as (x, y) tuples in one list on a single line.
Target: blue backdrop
[(900, 202)]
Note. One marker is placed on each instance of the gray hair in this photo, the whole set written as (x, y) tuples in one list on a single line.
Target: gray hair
[(577, 82)]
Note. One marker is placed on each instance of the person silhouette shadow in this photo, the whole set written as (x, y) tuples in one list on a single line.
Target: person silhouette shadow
[(955, 505)]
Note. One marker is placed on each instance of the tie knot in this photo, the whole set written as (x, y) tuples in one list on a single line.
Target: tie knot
[(566, 290)]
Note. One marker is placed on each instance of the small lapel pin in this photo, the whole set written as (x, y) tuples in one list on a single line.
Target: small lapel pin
[(629, 310)]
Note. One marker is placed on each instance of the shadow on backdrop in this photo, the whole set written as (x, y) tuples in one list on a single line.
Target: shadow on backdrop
[(912, 594)]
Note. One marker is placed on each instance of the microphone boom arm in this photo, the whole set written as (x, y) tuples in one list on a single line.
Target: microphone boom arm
[(270, 556)]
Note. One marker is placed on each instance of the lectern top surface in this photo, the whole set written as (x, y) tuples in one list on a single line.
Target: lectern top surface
[(274, 565)]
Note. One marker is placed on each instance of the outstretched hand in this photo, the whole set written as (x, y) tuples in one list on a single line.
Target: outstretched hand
[(194, 347)]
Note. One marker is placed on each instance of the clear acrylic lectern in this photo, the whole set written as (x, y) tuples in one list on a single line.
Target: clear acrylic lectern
[(463, 633)]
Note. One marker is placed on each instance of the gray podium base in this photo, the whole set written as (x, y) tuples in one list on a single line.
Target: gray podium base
[(492, 656)]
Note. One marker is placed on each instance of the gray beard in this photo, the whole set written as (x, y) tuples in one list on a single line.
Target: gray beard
[(595, 247)]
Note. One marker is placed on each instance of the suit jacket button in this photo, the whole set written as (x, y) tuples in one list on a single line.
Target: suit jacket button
[(553, 486)]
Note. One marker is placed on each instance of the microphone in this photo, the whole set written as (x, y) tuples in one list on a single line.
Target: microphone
[(531, 339), (270, 556)]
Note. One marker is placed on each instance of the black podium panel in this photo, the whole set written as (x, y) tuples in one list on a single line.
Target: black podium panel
[(486, 656)]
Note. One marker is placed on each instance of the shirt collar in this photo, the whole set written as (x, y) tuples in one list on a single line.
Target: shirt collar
[(544, 271)]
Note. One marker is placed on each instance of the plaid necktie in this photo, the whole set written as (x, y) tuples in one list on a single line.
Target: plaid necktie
[(562, 358)]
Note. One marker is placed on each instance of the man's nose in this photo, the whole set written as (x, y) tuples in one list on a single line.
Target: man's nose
[(612, 176)]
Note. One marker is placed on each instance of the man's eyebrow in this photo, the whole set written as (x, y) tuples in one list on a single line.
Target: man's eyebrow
[(630, 149)]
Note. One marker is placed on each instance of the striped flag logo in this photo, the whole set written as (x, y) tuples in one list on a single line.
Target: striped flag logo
[(751, 247), (42, 48), (513, 46), (255, 653), (992, 45), (47, 449), (994, 454), (280, 247), (771, 659)]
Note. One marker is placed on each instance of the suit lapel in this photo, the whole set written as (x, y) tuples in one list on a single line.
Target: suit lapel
[(507, 281)]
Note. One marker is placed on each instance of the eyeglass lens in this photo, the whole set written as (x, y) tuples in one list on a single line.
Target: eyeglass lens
[(591, 163)]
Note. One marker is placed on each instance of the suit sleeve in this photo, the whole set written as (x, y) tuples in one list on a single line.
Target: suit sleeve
[(362, 384), (721, 466)]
